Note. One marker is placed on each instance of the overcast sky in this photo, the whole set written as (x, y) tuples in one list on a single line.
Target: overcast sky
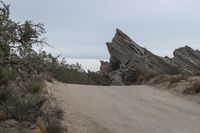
[(81, 28)]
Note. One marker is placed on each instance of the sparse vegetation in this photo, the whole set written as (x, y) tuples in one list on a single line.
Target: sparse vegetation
[(194, 88), (70, 73), (21, 72), (146, 78), (167, 78), (98, 79)]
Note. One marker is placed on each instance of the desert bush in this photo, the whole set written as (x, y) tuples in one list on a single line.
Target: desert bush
[(21, 107), (22, 69), (52, 115), (146, 77), (74, 77), (33, 85), (194, 88), (7, 95), (196, 74), (98, 79), (54, 125), (66, 73), (176, 78), (41, 124), (159, 79), (168, 78), (28, 108), (3, 115)]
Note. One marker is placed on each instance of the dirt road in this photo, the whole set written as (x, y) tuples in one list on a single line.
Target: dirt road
[(133, 109)]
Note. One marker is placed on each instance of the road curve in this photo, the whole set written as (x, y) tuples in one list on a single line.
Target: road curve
[(124, 109)]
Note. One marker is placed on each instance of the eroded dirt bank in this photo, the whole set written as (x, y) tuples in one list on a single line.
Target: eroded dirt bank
[(128, 109)]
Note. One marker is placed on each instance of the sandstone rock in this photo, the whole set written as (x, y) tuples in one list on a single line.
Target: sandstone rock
[(187, 59), (129, 61), (123, 48), (116, 78), (105, 67)]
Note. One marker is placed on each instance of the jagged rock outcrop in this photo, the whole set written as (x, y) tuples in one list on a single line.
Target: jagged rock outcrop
[(129, 61), (187, 59)]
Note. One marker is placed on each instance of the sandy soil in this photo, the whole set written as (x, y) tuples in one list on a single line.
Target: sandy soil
[(132, 109)]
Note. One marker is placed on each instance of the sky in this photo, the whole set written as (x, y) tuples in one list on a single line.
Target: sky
[(80, 28)]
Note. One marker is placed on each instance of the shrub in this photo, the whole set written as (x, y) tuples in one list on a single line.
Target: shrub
[(146, 77), (98, 79), (176, 78), (28, 108), (22, 108), (195, 88), (54, 125), (33, 85), (52, 115), (22, 70), (41, 124), (7, 95), (3, 115), (168, 78)]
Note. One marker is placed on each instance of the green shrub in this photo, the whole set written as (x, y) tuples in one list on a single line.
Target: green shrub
[(21, 107), (7, 95), (22, 71), (71, 74), (33, 85), (98, 79), (28, 107)]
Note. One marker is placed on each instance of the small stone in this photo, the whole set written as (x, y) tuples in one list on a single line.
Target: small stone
[(11, 122), (26, 124), (33, 126)]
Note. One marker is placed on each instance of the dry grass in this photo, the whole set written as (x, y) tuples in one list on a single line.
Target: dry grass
[(194, 89), (52, 116), (42, 125), (146, 77), (175, 79), (3, 115), (31, 105), (172, 79)]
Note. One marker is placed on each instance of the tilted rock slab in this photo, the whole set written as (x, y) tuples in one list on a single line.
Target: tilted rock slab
[(129, 62)]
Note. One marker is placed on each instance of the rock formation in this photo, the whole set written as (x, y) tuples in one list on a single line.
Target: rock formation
[(129, 62), (187, 60)]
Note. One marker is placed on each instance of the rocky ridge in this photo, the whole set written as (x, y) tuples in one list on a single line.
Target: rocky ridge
[(130, 62)]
